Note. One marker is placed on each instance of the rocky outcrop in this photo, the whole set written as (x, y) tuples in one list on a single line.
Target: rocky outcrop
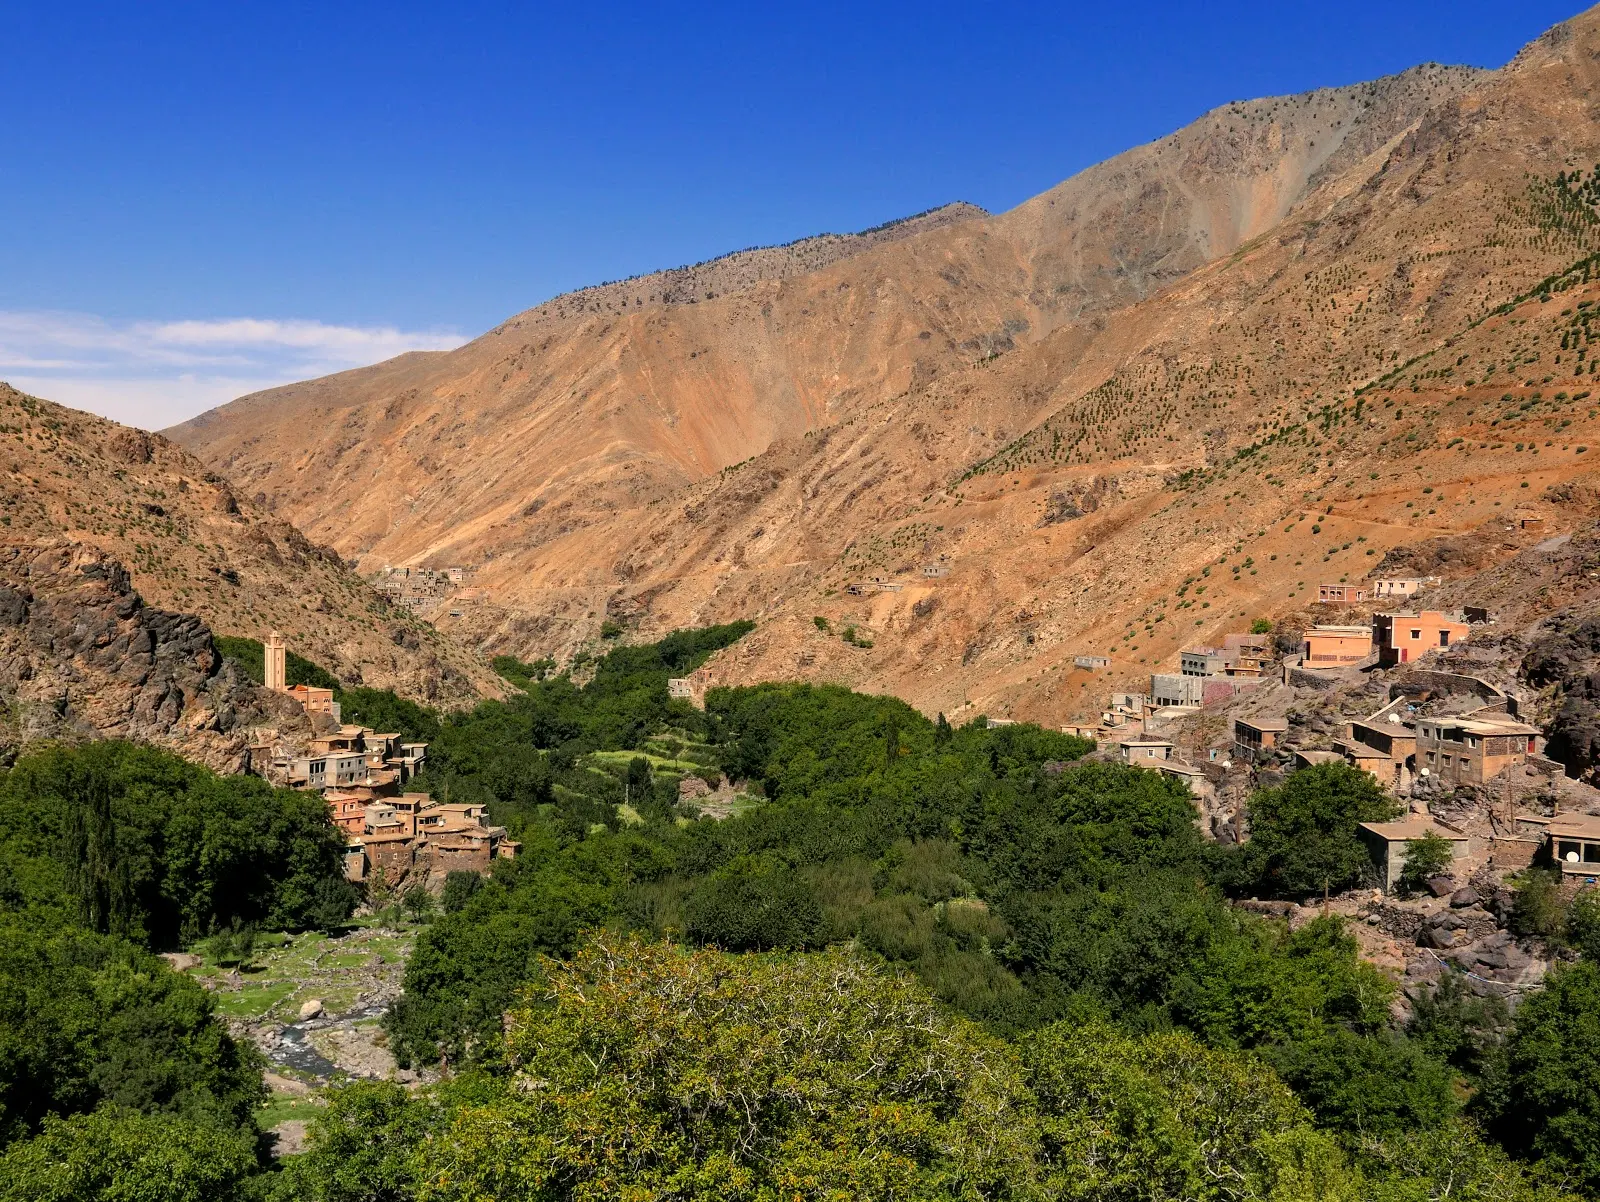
[(82, 657)]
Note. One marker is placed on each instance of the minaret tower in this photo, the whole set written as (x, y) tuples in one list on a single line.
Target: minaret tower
[(277, 675)]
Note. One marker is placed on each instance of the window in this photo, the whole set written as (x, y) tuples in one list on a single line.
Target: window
[(1444, 638), (1416, 634)]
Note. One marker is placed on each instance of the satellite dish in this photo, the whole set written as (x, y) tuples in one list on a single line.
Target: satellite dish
[(1571, 857), (1395, 718)]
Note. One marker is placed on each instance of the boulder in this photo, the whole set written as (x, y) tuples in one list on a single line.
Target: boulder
[(1462, 898), (311, 1009), (1441, 886), (1436, 937)]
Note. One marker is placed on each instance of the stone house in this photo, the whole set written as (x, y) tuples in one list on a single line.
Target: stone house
[(1473, 748), (1383, 745)]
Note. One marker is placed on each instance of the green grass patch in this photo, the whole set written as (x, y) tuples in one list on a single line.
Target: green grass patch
[(283, 1108)]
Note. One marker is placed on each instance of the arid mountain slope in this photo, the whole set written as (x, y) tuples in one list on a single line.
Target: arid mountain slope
[(1227, 390), (191, 546), (584, 408)]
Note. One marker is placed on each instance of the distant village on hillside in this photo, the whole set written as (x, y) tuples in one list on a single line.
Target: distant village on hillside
[(392, 835), (1398, 702)]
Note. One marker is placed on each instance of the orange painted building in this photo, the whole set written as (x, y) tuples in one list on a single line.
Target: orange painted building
[(1406, 638), (1336, 646)]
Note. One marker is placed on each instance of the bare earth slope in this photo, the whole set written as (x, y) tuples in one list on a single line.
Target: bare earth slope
[(192, 546), (597, 402), (1175, 392)]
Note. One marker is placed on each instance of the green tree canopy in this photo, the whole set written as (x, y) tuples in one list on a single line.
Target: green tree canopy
[(1303, 832), (656, 1072), (117, 1155)]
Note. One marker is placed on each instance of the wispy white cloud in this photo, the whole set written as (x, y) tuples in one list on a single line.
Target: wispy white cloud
[(152, 374)]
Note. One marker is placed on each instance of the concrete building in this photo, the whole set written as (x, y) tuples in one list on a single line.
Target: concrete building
[(1336, 646), (1389, 841), (1473, 748), (1255, 737), (1204, 661), (1092, 662), (1404, 638), (934, 571), (1170, 689), (1340, 594)]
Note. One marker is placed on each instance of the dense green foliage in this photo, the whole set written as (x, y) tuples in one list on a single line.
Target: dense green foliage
[(908, 960), (1303, 833), (116, 1079), (647, 1071), (1553, 1104), (89, 1020), (115, 1155), (134, 841)]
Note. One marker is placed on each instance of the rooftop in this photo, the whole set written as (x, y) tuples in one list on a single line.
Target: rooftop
[(1486, 726), (1276, 725), (1574, 826), (1410, 828)]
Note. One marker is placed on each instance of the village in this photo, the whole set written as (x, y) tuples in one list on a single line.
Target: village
[(1418, 699), (393, 836)]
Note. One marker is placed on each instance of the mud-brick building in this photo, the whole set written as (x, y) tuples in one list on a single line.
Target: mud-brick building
[(1473, 748), (1254, 738), (1341, 594)]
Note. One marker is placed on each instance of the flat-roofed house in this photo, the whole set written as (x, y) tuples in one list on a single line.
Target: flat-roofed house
[(1199, 783), (1172, 689), (331, 770), (1473, 748), (1386, 747), (1389, 841), (1340, 594), (1253, 737), (1402, 586), (1404, 638), (1143, 750), (1336, 646), (1204, 661), (1574, 843), (315, 701), (347, 809)]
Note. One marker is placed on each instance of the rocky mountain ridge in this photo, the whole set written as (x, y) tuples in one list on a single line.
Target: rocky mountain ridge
[(1172, 393), (191, 544), (82, 656)]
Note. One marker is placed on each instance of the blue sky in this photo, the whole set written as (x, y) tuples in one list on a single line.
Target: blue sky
[(198, 200)]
